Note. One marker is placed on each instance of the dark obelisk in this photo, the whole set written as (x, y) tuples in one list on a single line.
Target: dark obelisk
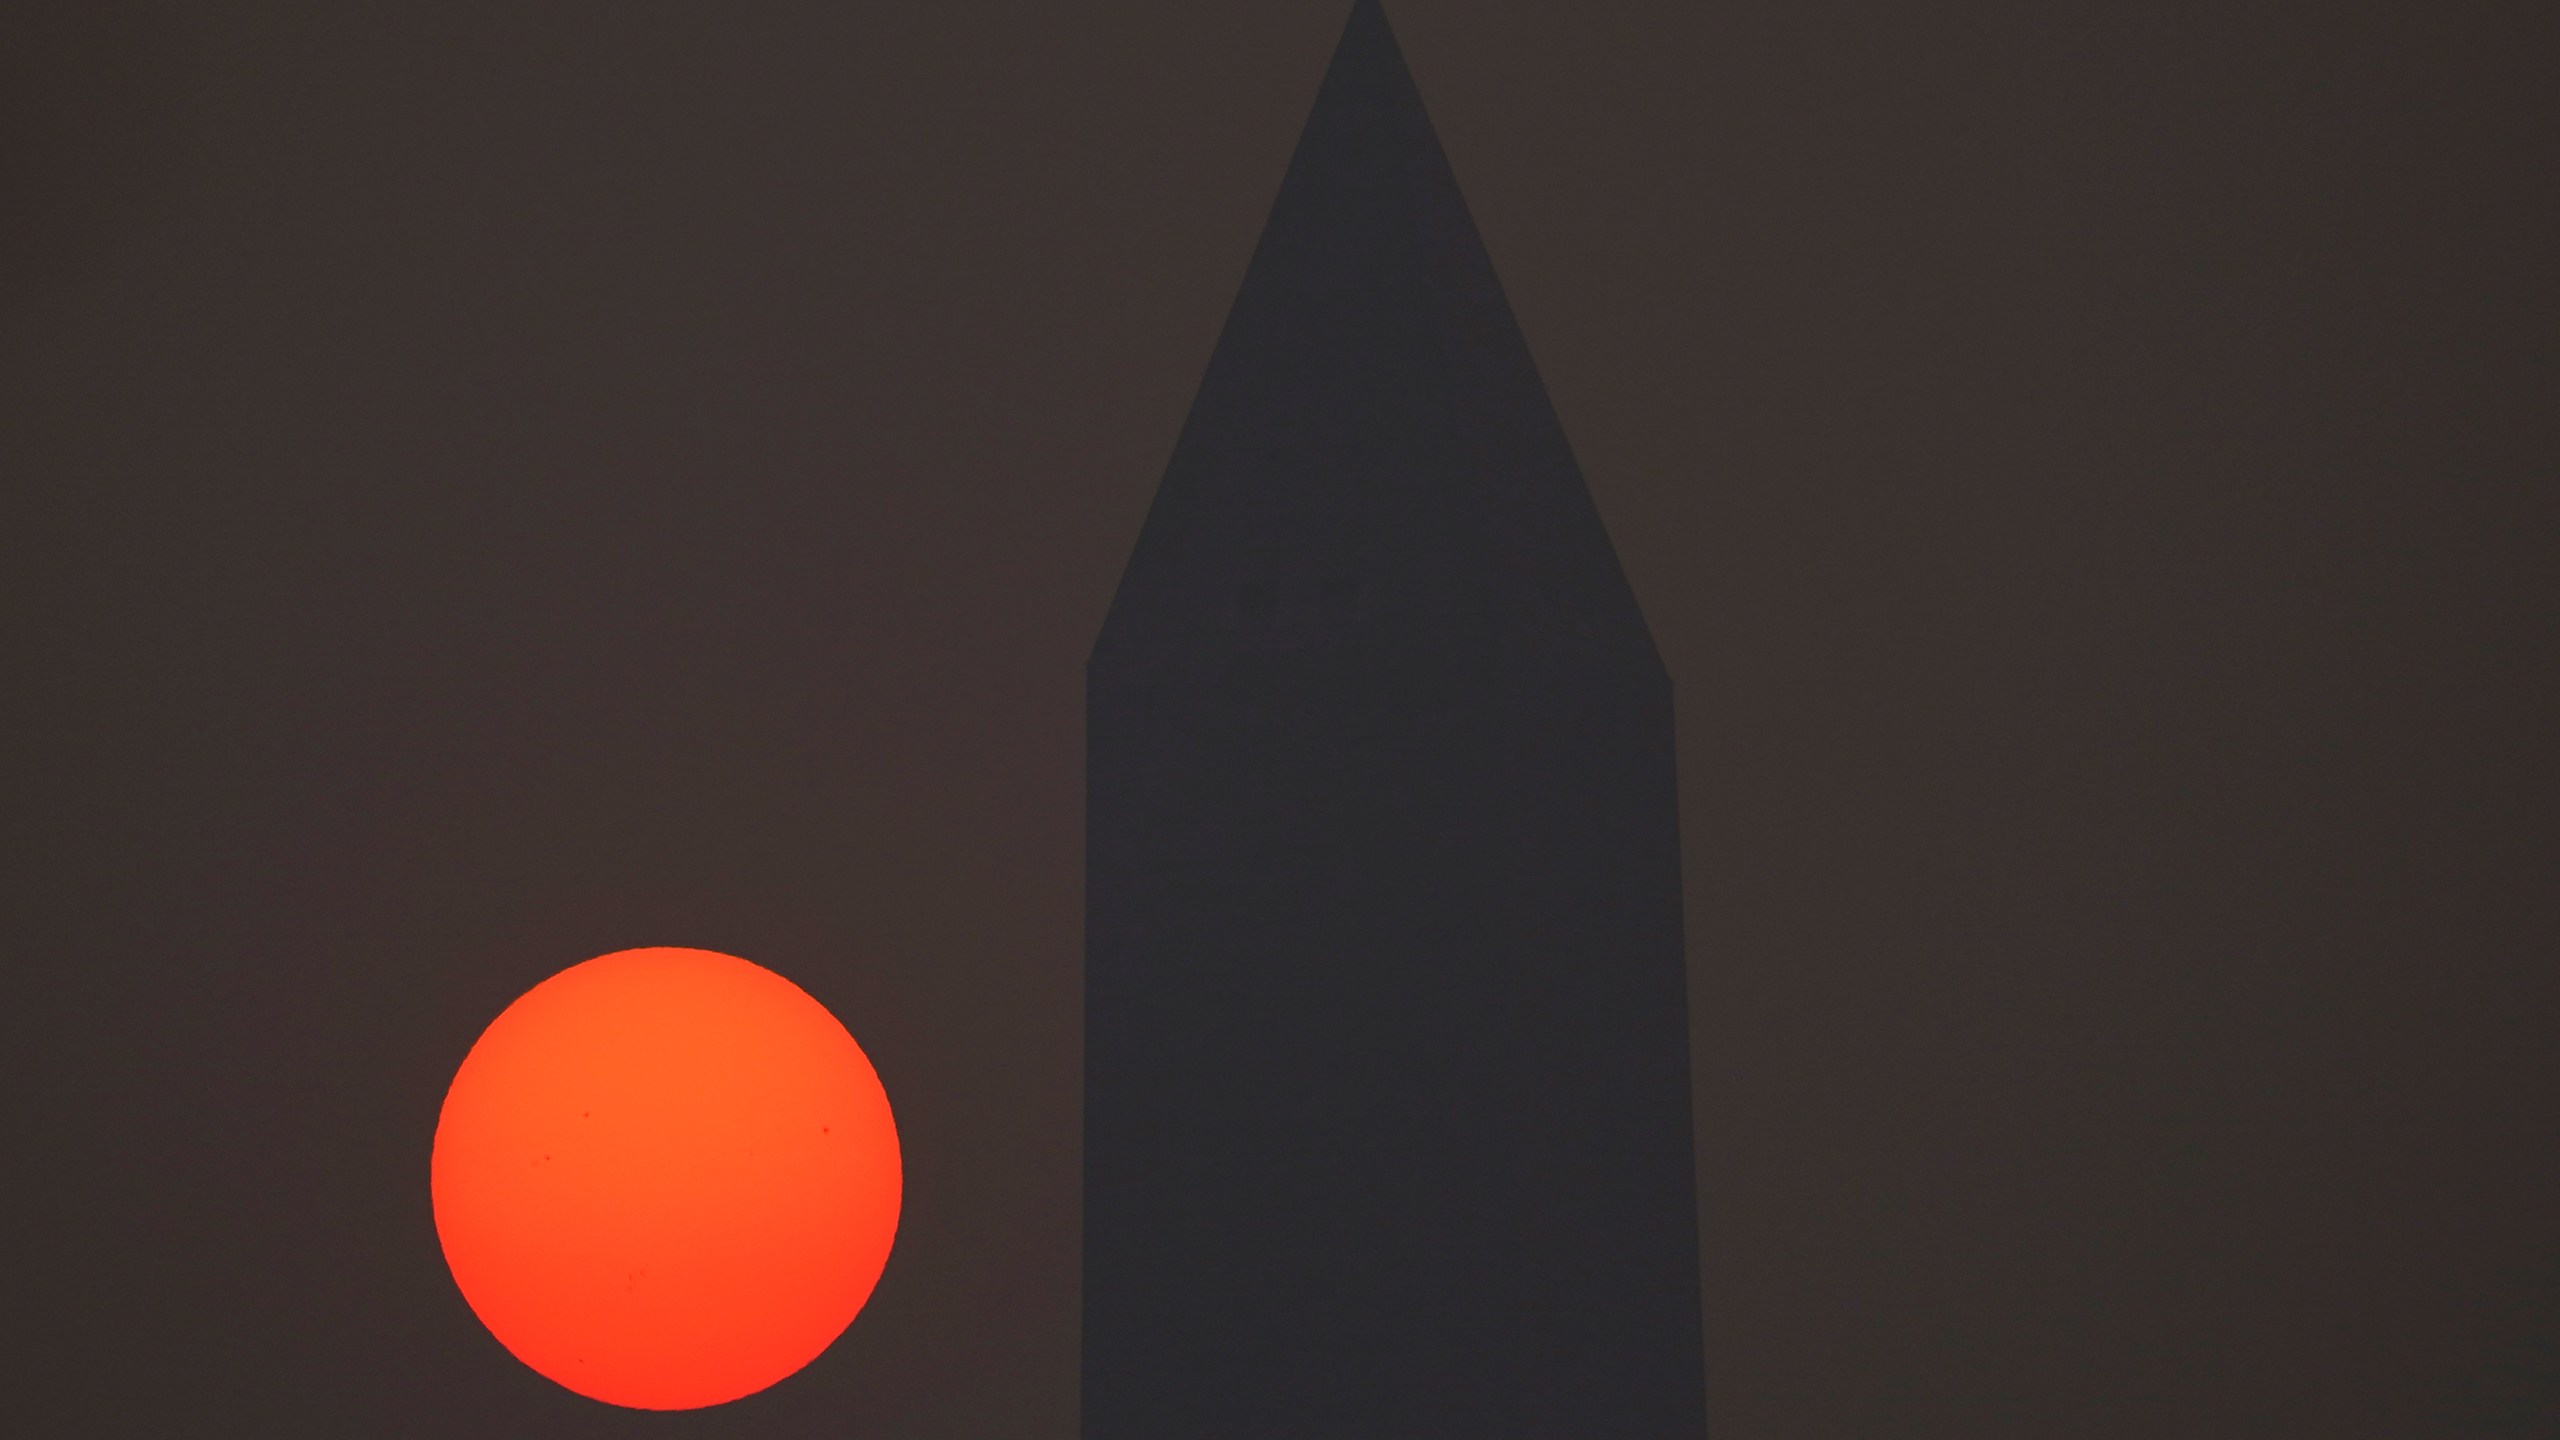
[(1387, 1126)]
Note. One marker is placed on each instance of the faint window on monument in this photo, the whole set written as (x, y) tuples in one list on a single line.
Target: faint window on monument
[(1565, 608)]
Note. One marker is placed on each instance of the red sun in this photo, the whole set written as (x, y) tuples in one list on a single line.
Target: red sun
[(666, 1178)]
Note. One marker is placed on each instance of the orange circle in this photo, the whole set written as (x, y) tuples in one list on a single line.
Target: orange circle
[(666, 1178)]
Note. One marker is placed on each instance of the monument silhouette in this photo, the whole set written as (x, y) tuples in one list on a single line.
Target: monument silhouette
[(1387, 1120)]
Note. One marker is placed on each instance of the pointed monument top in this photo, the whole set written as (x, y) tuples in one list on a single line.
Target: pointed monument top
[(1371, 458)]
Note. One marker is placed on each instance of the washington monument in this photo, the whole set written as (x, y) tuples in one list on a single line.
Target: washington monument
[(1387, 1120)]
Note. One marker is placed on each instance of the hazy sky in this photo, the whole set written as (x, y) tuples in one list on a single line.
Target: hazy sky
[(491, 484)]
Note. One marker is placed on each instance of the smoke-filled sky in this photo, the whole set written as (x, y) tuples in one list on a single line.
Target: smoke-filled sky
[(491, 484)]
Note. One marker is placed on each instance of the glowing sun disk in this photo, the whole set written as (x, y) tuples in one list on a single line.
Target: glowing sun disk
[(666, 1178)]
